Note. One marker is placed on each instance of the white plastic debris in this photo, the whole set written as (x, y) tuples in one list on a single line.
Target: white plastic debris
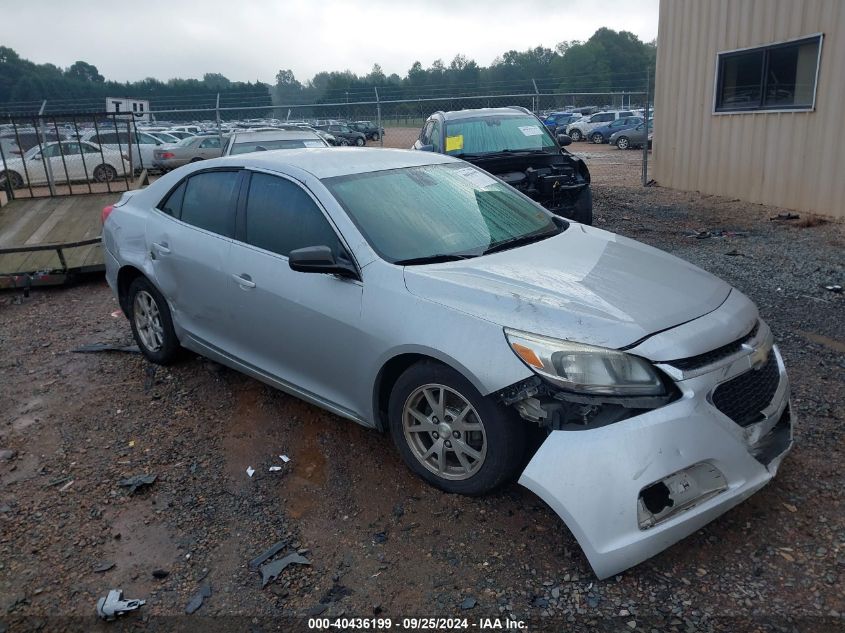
[(274, 469), (250, 471), (284, 458), (113, 605)]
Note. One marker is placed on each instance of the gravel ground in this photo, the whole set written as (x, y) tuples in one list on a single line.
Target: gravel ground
[(380, 542)]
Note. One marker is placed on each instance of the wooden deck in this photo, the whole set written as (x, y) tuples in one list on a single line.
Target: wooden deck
[(50, 222)]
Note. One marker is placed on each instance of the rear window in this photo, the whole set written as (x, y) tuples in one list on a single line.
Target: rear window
[(209, 201), (260, 146)]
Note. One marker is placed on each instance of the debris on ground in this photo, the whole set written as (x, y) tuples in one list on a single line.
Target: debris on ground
[(785, 216), (107, 347), (705, 234), (271, 571), (113, 605), (267, 554), (275, 469), (7, 455), (250, 471), (468, 603), (379, 538), (198, 598), (834, 288), (137, 481), (104, 566), (284, 458), (160, 574)]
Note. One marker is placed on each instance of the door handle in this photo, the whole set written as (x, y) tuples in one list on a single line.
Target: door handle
[(161, 248), (244, 280)]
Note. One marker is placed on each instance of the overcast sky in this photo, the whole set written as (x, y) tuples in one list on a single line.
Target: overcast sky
[(252, 39)]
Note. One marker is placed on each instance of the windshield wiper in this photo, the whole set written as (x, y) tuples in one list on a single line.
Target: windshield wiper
[(432, 259), (519, 241)]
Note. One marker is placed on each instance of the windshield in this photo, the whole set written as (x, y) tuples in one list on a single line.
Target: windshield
[(433, 211), (258, 146), (493, 134)]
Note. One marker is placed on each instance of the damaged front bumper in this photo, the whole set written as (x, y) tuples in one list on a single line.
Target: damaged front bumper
[(630, 489)]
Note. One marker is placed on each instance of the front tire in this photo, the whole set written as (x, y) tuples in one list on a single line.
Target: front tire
[(451, 435), (360, 142), (597, 138), (623, 143), (582, 210), (105, 173), (376, 136), (152, 325)]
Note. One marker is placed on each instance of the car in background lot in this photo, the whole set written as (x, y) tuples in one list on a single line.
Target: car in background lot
[(515, 146), (245, 142), (193, 129), (188, 150), (344, 134), (602, 133), (180, 134), (67, 161), (165, 137), (141, 149), (413, 293), (26, 139), (555, 120), (368, 129), (634, 137), (580, 130)]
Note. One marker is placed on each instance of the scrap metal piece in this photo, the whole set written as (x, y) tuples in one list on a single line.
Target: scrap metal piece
[(137, 481), (271, 571), (107, 347), (270, 552), (198, 598), (113, 605)]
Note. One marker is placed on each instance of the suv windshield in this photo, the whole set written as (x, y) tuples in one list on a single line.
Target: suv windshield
[(438, 212), (484, 135)]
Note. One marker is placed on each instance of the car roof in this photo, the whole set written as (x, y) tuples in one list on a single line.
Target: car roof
[(335, 161), (273, 135), (454, 115)]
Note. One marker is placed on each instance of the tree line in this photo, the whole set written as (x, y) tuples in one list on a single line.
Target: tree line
[(607, 61)]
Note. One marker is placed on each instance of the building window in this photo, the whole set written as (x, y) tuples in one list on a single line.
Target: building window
[(776, 77)]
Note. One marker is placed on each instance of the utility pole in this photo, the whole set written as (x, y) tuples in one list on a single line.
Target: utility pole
[(645, 125)]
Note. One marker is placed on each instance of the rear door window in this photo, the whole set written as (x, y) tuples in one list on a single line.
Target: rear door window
[(282, 217), (209, 201), (172, 204)]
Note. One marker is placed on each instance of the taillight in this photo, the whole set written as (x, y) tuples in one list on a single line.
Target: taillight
[(166, 154), (106, 213)]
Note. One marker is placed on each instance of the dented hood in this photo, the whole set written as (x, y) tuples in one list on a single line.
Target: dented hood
[(585, 284)]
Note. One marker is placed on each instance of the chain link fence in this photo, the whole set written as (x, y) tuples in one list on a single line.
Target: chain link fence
[(61, 154)]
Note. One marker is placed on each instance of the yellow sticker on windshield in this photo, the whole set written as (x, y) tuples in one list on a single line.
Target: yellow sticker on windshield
[(454, 143)]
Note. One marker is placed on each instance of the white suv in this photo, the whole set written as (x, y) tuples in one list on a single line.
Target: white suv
[(580, 130)]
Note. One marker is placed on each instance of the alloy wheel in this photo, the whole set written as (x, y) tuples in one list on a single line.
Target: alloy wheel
[(148, 321), (444, 432)]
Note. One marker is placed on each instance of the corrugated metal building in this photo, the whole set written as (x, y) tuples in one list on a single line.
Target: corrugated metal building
[(749, 101)]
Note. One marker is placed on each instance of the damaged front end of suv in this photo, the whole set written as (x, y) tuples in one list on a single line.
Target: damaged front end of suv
[(640, 453)]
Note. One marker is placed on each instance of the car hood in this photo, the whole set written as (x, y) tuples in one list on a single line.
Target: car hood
[(585, 284)]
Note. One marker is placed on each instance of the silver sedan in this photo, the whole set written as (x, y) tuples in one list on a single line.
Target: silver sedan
[(189, 150), (416, 294)]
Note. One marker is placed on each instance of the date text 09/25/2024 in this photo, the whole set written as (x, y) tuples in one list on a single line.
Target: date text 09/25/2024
[(416, 624)]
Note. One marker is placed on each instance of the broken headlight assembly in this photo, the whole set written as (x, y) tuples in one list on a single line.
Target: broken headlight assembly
[(586, 369)]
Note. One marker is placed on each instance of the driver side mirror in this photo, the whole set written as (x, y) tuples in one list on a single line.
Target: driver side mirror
[(426, 148), (564, 140), (321, 259)]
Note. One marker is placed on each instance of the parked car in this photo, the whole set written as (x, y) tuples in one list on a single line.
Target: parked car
[(9, 147), (344, 134), (244, 142), (414, 293), (368, 129), (67, 161), (514, 145), (602, 133), (27, 138), (141, 150), (188, 150), (555, 120), (166, 137), (193, 129), (634, 137), (180, 134), (580, 130)]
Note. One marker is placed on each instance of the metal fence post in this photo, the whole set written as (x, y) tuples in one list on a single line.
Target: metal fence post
[(645, 123), (378, 119), (42, 139), (536, 99), (217, 115)]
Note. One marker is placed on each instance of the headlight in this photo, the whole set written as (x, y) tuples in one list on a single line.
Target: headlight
[(586, 368)]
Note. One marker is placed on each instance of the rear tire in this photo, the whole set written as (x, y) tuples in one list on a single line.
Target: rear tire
[(12, 178), (623, 143), (152, 325), (360, 141), (105, 173), (576, 135), (471, 445), (597, 138), (376, 136)]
